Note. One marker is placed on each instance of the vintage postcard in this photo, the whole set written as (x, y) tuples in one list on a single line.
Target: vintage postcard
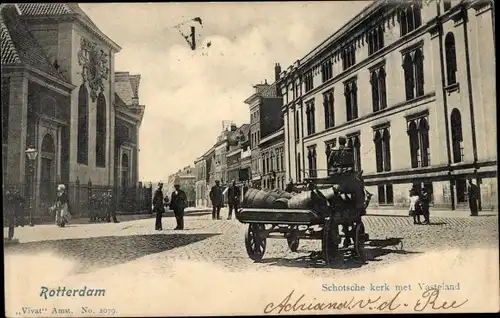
[(249, 158)]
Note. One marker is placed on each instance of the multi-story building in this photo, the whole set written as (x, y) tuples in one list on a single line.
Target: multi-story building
[(273, 163), (202, 165), (60, 98), (236, 140), (412, 87), (265, 118)]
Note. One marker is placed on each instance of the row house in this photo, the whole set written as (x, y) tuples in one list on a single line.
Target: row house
[(202, 181), (273, 163), (60, 98), (266, 118), (238, 161), (412, 87)]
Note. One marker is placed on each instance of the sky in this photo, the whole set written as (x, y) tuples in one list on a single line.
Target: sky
[(189, 93)]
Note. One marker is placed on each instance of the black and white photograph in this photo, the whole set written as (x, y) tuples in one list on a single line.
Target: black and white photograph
[(249, 158)]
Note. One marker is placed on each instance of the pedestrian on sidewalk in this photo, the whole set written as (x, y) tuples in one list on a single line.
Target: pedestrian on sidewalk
[(290, 187), (234, 196), (425, 202), (63, 215), (216, 198), (158, 207), (111, 207), (178, 202), (14, 203), (473, 191), (415, 209)]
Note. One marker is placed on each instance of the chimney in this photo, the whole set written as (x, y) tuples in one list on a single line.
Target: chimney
[(277, 71)]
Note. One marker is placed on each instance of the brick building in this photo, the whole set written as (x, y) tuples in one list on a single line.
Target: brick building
[(412, 86), (265, 118), (59, 98), (273, 163)]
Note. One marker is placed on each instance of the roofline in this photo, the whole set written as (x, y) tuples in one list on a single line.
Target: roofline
[(30, 68), (271, 137), (76, 17), (356, 20)]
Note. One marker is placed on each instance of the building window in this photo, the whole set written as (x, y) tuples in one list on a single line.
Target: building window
[(83, 126), (383, 149), (385, 194), (418, 132), (308, 79), (354, 143), (451, 58), (413, 67), (379, 95), (329, 111), (447, 5), (297, 125), (299, 169), (329, 146), (410, 17), (457, 136), (348, 56), (375, 40), (311, 158), (326, 70), (297, 90), (100, 146), (310, 114), (351, 98)]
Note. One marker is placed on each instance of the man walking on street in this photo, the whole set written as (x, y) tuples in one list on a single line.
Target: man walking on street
[(216, 198), (111, 207), (234, 197), (158, 207), (178, 202), (473, 191), (425, 201)]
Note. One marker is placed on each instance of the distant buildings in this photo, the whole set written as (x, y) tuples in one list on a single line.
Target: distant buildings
[(186, 177)]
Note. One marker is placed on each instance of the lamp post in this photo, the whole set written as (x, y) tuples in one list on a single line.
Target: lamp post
[(31, 153)]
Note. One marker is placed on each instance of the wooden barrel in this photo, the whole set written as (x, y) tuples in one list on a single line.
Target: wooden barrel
[(309, 200), (249, 196), (281, 203), (301, 200)]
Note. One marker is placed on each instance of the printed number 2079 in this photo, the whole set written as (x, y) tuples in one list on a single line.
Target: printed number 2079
[(107, 311)]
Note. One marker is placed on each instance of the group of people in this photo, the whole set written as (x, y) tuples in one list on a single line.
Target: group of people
[(177, 203), (217, 199)]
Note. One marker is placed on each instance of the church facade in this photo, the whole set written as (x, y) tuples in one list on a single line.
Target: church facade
[(62, 98)]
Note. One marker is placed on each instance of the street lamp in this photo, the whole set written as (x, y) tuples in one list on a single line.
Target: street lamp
[(32, 154)]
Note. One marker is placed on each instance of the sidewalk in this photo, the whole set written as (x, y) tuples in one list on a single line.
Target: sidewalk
[(436, 212)]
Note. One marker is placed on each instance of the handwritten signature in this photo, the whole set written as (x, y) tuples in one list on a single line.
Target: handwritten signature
[(429, 300)]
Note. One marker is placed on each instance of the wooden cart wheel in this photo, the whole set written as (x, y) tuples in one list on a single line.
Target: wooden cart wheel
[(359, 241), (255, 241), (330, 241)]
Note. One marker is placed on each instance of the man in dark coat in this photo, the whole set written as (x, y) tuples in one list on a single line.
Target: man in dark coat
[(234, 196), (473, 191), (290, 187), (158, 207), (111, 208), (216, 198), (425, 205), (178, 202)]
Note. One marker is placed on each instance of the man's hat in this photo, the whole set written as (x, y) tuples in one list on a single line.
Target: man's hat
[(177, 181)]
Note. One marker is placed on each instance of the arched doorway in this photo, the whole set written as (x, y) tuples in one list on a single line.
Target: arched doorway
[(125, 171), (47, 172)]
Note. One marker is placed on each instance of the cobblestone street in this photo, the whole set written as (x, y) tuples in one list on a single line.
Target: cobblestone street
[(96, 246)]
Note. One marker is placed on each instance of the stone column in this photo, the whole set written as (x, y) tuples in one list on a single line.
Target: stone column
[(18, 124)]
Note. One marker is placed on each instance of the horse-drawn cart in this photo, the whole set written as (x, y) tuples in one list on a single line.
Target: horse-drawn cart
[(330, 210), (321, 221)]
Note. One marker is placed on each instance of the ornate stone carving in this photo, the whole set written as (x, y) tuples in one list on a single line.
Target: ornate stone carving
[(94, 64)]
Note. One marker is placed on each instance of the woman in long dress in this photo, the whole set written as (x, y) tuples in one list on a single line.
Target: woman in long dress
[(62, 206)]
